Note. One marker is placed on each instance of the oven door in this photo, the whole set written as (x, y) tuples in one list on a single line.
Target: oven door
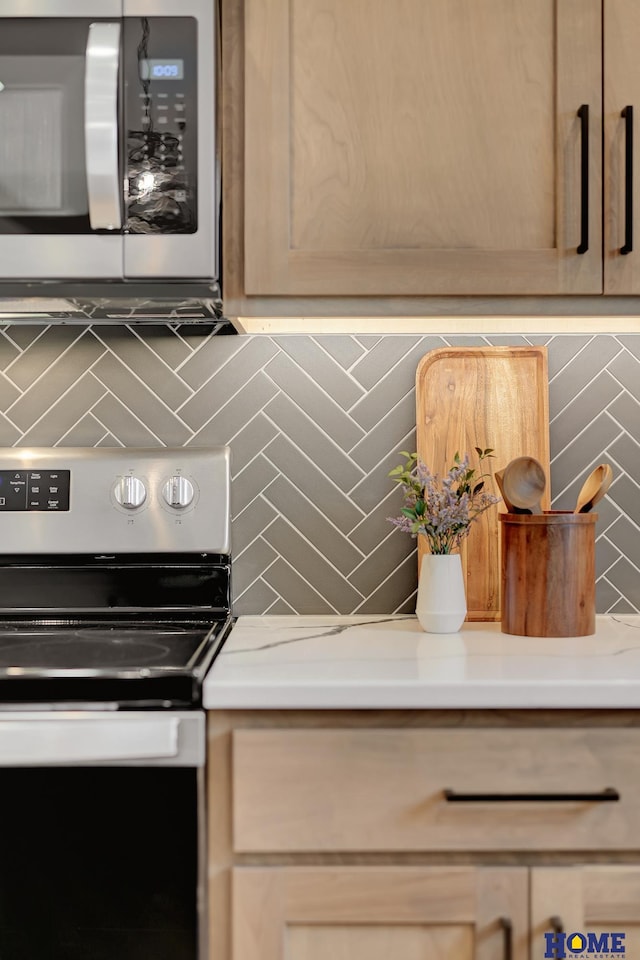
[(108, 167), (103, 847)]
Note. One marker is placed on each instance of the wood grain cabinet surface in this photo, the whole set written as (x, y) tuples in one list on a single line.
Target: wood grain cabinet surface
[(330, 834), (429, 148)]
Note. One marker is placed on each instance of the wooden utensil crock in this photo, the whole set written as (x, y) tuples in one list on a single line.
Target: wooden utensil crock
[(548, 574)]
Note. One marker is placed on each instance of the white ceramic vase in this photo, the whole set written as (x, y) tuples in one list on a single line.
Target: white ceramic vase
[(441, 605)]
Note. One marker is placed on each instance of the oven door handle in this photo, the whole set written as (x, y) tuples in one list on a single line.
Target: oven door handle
[(101, 126), (88, 741)]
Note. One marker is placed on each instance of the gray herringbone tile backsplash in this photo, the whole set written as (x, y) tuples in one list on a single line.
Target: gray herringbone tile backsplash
[(315, 424)]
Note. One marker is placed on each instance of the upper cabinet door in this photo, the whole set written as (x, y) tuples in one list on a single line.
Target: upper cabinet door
[(423, 147), (622, 98)]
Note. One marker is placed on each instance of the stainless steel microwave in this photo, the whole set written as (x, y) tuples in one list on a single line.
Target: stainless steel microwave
[(108, 161)]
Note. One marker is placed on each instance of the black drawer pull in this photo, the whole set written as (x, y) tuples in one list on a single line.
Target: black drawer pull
[(583, 113), (627, 114), (556, 924), (507, 928), (608, 795)]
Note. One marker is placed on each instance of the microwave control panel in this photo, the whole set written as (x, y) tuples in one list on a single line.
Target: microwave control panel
[(160, 57)]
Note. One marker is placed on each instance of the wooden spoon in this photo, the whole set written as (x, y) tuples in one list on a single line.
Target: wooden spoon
[(498, 475), (524, 482), (594, 488)]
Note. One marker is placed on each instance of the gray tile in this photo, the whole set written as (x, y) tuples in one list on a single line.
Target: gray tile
[(230, 418), (381, 358), (368, 340), (539, 339), (306, 476), (464, 340), (9, 393), (382, 561), (144, 363), (225, 363), (63, 414), (345, 350), (280, 609), (122, 424), (580, 372), (626, 579), (626, 411), (302, 598), (606, 554), (631, 343), (311, 565), (606, 596), (48, 348), (87, 432), (109, 441), (607, 513), (626, 495), (251, 482), (313, 401), (8, 350), (248, 441), (397, 593), (588, 449), (375, 526), (251, 523), (625, 537), (507, 340), (312, 524), (9, 435), (326, 372), (301, 430), (389, 390), (137, 397), (251, 565), (258, 600), (626, 369), (23, 334), (164, 342), (626, 452), (623, 607), (38, 398), (375, 487), (382, 440), (581, 411), (562, 349)]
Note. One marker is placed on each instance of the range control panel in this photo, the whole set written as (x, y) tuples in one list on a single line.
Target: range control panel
[(115, 500), (34, 489)]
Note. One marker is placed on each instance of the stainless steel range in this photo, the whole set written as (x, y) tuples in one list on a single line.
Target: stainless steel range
[(115, 594)]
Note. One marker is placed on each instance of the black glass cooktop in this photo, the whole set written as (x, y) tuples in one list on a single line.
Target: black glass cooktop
[(128, 662)]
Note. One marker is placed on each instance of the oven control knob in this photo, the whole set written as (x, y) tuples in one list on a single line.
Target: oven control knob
[(178, 492), (130, 492)]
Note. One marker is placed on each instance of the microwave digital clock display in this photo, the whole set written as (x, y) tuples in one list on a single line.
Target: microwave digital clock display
[(162, 69)]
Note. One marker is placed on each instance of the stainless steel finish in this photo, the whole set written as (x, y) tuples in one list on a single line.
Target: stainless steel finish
[(96, 523), (43, 257), (104, 184), (61, 8), (178, 491), (195, 254), (206, 311), (97, 738), (130, 492)]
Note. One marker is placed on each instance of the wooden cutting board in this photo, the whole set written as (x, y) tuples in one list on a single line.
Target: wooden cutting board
[(471, 397)]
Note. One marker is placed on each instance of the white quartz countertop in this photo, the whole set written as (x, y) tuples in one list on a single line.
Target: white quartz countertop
[(380, 662)]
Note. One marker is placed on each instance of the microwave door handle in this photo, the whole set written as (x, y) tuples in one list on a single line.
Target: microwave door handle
[(101, 126)]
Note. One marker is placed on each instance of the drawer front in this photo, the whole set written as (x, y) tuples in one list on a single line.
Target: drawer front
[(380, 790)]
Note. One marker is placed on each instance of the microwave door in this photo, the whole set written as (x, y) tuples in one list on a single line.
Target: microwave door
[(171, 211), (58, 213)]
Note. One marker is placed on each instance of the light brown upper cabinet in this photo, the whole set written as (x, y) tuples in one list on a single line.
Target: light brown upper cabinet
[(425, 146), (622, 96)]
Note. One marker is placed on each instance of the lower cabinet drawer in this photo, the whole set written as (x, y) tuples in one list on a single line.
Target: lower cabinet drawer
[(481, 789)]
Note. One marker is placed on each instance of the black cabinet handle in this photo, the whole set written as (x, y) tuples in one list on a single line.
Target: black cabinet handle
[(608, 795), (583, 113), (556, 924), (627, 115), (507, 928)]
